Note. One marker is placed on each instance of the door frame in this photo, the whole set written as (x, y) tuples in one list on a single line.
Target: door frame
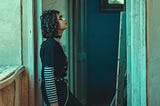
[(136, 48), (136, 52), (77, 49), (37, 42), (28, 51)]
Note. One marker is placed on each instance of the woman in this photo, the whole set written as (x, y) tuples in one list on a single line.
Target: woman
[(54, 62)]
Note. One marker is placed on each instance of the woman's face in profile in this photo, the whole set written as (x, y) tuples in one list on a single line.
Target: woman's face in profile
[(62, 22)]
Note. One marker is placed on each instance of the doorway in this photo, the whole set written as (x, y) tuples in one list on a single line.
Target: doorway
[(102, 49), (95, 43)]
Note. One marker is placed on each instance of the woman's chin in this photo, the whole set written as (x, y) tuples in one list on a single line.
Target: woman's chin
[(66, 27)]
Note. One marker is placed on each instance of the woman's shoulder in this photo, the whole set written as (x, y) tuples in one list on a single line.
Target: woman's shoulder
[(49, 42)]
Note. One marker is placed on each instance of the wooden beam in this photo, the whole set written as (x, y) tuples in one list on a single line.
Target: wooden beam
[(30, 55), (136, 52), (39, 100), (24, 89)]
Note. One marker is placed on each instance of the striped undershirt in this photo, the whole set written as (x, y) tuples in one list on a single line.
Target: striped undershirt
[(50, 84)]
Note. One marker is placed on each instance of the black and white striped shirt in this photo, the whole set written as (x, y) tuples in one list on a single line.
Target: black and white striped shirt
[(50, 84)]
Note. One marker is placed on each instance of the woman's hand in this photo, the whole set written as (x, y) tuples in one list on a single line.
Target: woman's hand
[(54, 104)]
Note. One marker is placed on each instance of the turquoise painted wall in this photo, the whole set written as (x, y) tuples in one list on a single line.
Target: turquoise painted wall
[(10, 33)]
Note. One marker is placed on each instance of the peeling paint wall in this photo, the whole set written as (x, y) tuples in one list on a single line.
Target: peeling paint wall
[(153, 52), (10, 33)]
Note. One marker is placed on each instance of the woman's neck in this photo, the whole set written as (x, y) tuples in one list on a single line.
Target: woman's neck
[(57, 39), (60, 32)]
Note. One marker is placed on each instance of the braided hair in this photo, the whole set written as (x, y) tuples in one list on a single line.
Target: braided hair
[(49, 24)]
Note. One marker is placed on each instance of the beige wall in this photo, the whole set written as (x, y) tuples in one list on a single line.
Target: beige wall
[(153, 52), (10, 32)]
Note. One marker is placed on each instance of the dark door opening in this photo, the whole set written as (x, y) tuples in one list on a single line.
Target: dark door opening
[(95, 34), (102, 46)]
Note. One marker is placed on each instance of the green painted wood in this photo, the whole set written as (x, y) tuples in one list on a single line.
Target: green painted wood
[(121, 64), (39, 42), (83, 54), (136, 53), (30, 56), (77, 56), (70, 47)]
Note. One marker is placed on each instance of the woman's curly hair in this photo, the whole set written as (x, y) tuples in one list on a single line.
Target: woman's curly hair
[(49, 23)]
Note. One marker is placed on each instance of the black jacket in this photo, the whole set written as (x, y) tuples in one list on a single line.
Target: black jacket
[(52, 54)]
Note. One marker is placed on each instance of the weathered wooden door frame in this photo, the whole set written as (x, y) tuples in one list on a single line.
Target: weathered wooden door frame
[(77, 48), (27, 14), (136, 52), (37, 42)]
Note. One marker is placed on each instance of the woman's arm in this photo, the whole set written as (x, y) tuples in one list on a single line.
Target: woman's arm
[(50, 85), (47, 55), (48, 63)]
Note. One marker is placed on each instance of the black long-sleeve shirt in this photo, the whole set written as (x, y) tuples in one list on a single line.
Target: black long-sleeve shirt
[(54, 64)]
